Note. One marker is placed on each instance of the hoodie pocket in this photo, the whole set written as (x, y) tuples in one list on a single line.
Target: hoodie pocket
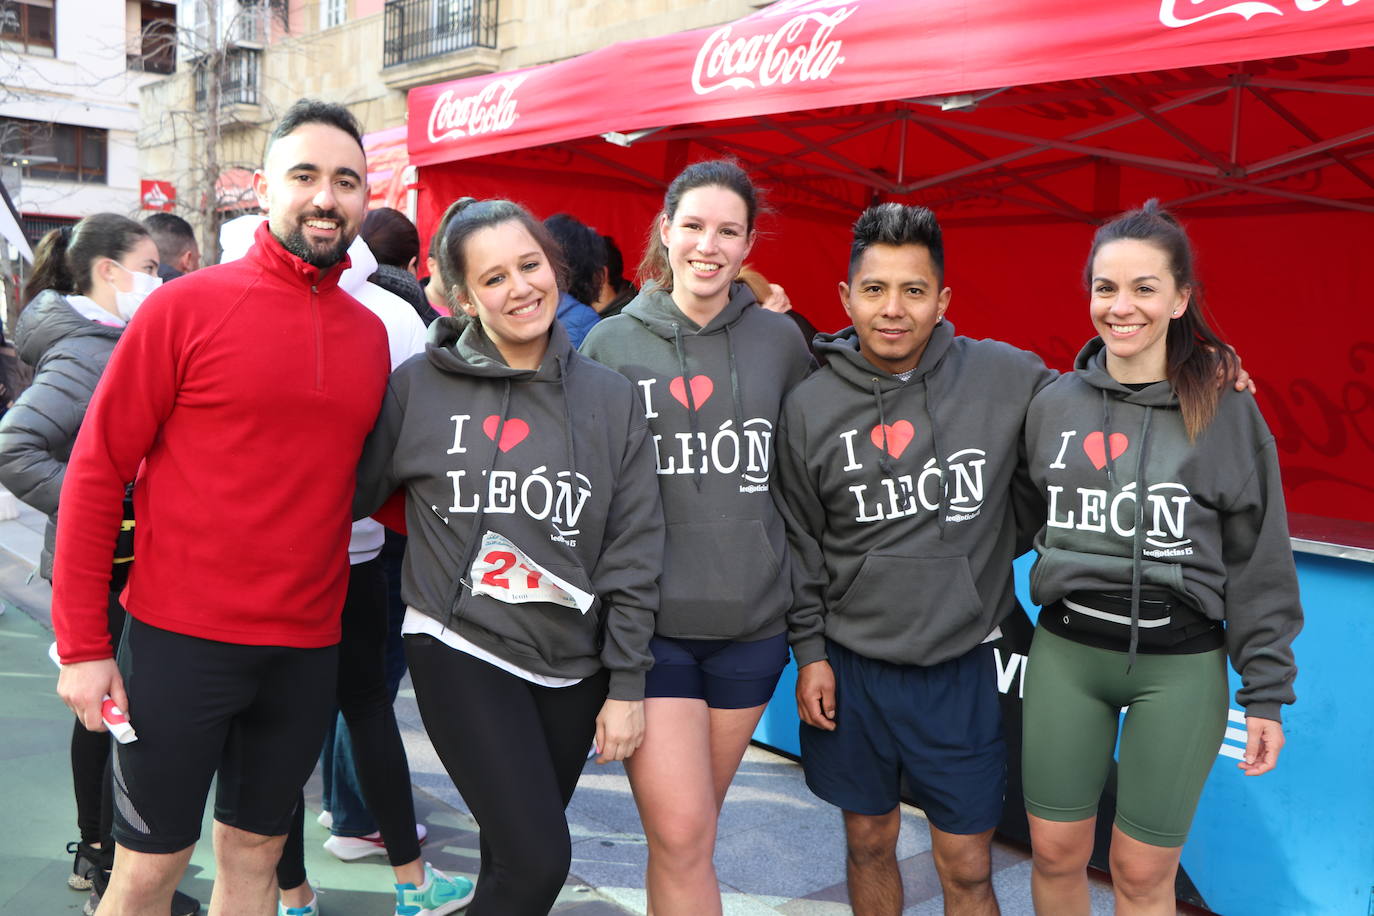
[(563, 638), (717, 573), (910, 610)]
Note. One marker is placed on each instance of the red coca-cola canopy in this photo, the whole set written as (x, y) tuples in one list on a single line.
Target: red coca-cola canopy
[(1022, 123), (809, 54)]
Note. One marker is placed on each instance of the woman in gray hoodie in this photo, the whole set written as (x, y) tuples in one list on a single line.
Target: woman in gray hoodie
[(712, 368), (1165, 550), (535, 544)]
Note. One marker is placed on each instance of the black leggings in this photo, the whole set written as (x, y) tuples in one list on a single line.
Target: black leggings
[(91, 764), (366, 704), (514, 751)]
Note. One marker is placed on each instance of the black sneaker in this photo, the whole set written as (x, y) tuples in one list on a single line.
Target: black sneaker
[(86, 860)]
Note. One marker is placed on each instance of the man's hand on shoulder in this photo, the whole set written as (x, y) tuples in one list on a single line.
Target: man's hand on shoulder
[(83, 686), (816, 695)]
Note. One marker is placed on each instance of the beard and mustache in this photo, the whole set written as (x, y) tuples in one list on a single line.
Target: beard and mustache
[(323, 258)]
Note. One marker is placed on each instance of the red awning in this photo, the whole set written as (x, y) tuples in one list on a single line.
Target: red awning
[(809, 54), (1022, 124)]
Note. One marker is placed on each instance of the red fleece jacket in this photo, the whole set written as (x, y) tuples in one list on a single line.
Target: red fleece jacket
[(240, 396)]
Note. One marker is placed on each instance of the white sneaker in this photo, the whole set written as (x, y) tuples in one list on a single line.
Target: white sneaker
[(325, 820), (352, 848)]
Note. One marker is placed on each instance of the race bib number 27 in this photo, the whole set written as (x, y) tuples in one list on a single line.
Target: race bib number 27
[(504, 572)]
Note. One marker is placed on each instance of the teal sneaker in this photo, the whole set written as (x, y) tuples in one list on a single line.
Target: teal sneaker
[(441, 894), (310, 909)]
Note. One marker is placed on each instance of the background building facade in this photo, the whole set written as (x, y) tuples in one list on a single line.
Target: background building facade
[(240, 63)]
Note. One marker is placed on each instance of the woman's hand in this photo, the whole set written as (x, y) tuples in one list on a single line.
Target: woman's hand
[(777, 300), (619, 729), (1262, 746)]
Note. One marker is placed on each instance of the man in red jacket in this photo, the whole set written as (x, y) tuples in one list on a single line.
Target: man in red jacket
[(240, 399)]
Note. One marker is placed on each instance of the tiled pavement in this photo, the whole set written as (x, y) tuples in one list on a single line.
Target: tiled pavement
[(780, 850)]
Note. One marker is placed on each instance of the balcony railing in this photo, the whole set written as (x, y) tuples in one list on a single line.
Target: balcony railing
[(238, 83), (419, 29)]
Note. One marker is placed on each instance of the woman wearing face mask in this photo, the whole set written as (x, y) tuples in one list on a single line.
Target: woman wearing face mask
[(535, 542), (712, 368), (87, 282), (1166, 550)]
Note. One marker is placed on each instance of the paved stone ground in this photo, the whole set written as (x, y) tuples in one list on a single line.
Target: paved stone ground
[(780, 850)]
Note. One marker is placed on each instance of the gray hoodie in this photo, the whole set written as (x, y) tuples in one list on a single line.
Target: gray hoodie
[(898, 497), (712, 397), (556, 461), (69, 353), (1212, 528)]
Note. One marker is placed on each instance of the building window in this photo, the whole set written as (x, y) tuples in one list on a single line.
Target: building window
[(332, 13), (155, 47), (63, 151), (27, 26), (37, 225)]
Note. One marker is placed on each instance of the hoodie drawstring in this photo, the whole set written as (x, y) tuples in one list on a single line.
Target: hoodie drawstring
[(687, 389), (563, 367), (474, 535), (1138, 544), (1107, 438), (884, 456), (939, 461), (735, 394)]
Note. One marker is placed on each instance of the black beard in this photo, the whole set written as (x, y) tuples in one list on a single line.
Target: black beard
[(322, 258)]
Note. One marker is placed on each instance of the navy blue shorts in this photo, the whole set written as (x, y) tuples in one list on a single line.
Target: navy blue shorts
[(724, 673), (940, 727)]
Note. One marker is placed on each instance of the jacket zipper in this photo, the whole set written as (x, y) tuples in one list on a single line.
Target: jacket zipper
[(319, 337)]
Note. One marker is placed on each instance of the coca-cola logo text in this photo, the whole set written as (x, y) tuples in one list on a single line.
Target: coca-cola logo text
[(783, 56), (487, 111), (1248, 9)]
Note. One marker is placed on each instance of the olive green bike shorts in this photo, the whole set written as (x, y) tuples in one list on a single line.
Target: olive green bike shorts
[(1175, 706)]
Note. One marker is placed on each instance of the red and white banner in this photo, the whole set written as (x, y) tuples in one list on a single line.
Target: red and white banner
[(157, 195), (806, 54)]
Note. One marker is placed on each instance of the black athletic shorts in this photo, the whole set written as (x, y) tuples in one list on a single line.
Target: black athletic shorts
[(253, 715)]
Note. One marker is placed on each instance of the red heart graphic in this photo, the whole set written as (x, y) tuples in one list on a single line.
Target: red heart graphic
[(1097, 454), (899, 436), (701, 390), (512, 433)]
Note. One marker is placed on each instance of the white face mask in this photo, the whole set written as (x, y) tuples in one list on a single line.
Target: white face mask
[(143, 285)]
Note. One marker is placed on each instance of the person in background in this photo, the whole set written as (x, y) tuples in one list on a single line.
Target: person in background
[(530, 617), (616, 291), (395, 243), (435, 292), (585, 256), (177, 250), (87, 282), (712, 369), (1165, 548)]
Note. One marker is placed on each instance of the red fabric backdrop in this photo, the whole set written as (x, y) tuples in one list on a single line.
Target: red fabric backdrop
[(1267, 161)]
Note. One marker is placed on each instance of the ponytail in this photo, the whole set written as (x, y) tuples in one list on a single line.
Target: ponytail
[(50, 265)]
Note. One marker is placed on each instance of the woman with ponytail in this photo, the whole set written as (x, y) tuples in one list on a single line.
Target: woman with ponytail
[(1165, 551), (88, 281), (712, 368)]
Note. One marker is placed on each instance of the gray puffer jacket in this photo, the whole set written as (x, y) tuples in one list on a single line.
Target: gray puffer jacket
[(68, 353)]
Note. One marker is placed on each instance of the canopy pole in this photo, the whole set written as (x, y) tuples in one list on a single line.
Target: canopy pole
[(1236, 98), (901, 155)]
